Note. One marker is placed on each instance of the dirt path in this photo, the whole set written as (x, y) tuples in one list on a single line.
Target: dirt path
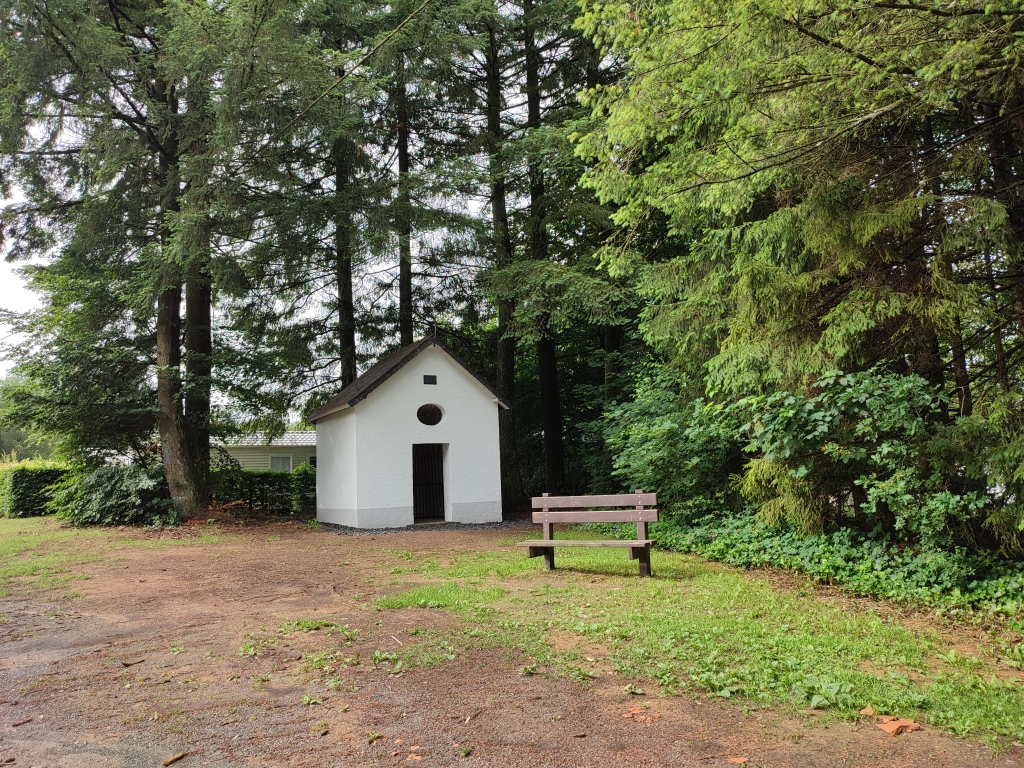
[(147, 665)]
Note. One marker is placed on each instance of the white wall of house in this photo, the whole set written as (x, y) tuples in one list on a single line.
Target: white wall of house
[(336, 498), (372, 441), (258, 457)]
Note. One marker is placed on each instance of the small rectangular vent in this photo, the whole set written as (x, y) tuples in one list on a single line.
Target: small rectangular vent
[(427, 379)]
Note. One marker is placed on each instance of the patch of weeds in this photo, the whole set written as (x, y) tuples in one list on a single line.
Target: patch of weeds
[(578, 674), (334, 684), (311, 701), (382, 657), (306, 625), (446, 595), (428, 655), (348, 635), (321, 726), (313, 524), (1013, 655), (323, 661), (252, 646), (372, 737), (176, 649), (527, 670), (666, 677), (824, 694), (259, 682), (466, 751), (273, 538), (633, 690), (399, 553)]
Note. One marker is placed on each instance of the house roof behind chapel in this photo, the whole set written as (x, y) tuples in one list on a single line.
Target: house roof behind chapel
[(384, 369)]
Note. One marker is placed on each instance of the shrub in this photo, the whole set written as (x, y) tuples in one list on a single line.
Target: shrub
[(25, 487), (866, 450), (113, 494), (262, 491), (875, 563), (682, 448), (304, 490)]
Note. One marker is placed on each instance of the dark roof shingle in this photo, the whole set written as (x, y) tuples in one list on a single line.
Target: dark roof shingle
[(384, 369)]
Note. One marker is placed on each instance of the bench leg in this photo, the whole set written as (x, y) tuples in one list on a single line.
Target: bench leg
[(643, 554), (549, 552), (645, 562)]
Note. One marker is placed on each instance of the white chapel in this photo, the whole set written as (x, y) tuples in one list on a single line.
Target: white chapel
[(412, 440)]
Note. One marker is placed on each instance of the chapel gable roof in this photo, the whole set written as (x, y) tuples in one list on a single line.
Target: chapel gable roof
[(384, 369)]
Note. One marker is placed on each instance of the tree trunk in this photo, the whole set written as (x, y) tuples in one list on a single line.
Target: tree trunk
[(343, 151), (511, 481), (168, 332), (168, 394), (550, 402), (198, 370), (960, 374), (613, 336), (551, 417), (997, 333), (405, 324)]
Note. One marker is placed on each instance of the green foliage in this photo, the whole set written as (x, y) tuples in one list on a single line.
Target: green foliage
[(869, 450), (266, 492), (447, 595), (113, 494), (682, 447), (866, 563), (860, 481), (304, 490), (824, 179), (26, 487)]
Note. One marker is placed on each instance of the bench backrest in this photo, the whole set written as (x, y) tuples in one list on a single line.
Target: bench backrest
[(636, 508)]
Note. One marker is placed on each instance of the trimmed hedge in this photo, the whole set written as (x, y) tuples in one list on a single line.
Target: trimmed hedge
[(25, 487), (114, 494), (264, 491), (304, 490)]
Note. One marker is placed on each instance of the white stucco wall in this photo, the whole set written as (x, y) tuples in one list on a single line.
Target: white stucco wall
[(385, 429), (336, 477)]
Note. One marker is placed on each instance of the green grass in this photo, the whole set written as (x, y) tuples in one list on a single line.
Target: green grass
[(37, 554), (711, 630), (443, 595)]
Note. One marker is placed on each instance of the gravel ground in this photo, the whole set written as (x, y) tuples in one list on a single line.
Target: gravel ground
[(344, 530)]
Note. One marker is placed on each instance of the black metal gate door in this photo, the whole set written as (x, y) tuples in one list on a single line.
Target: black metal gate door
[(427, 482)]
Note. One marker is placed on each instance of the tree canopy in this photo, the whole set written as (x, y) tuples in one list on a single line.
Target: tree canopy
[(674, 235)]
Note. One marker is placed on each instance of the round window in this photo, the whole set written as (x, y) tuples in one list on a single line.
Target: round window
[(429, 414)]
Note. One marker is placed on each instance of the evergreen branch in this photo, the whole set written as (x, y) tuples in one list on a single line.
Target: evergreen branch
[(341, 78), (840, 47), (948, 14)]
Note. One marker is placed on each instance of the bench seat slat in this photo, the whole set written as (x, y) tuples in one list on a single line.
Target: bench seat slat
[(551, 543), (584, 502), (597, 516)]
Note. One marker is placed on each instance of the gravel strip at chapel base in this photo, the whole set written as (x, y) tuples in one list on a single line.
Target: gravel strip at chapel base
[(344, 530)]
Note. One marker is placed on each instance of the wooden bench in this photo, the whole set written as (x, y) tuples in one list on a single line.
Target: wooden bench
[(639, 509)]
